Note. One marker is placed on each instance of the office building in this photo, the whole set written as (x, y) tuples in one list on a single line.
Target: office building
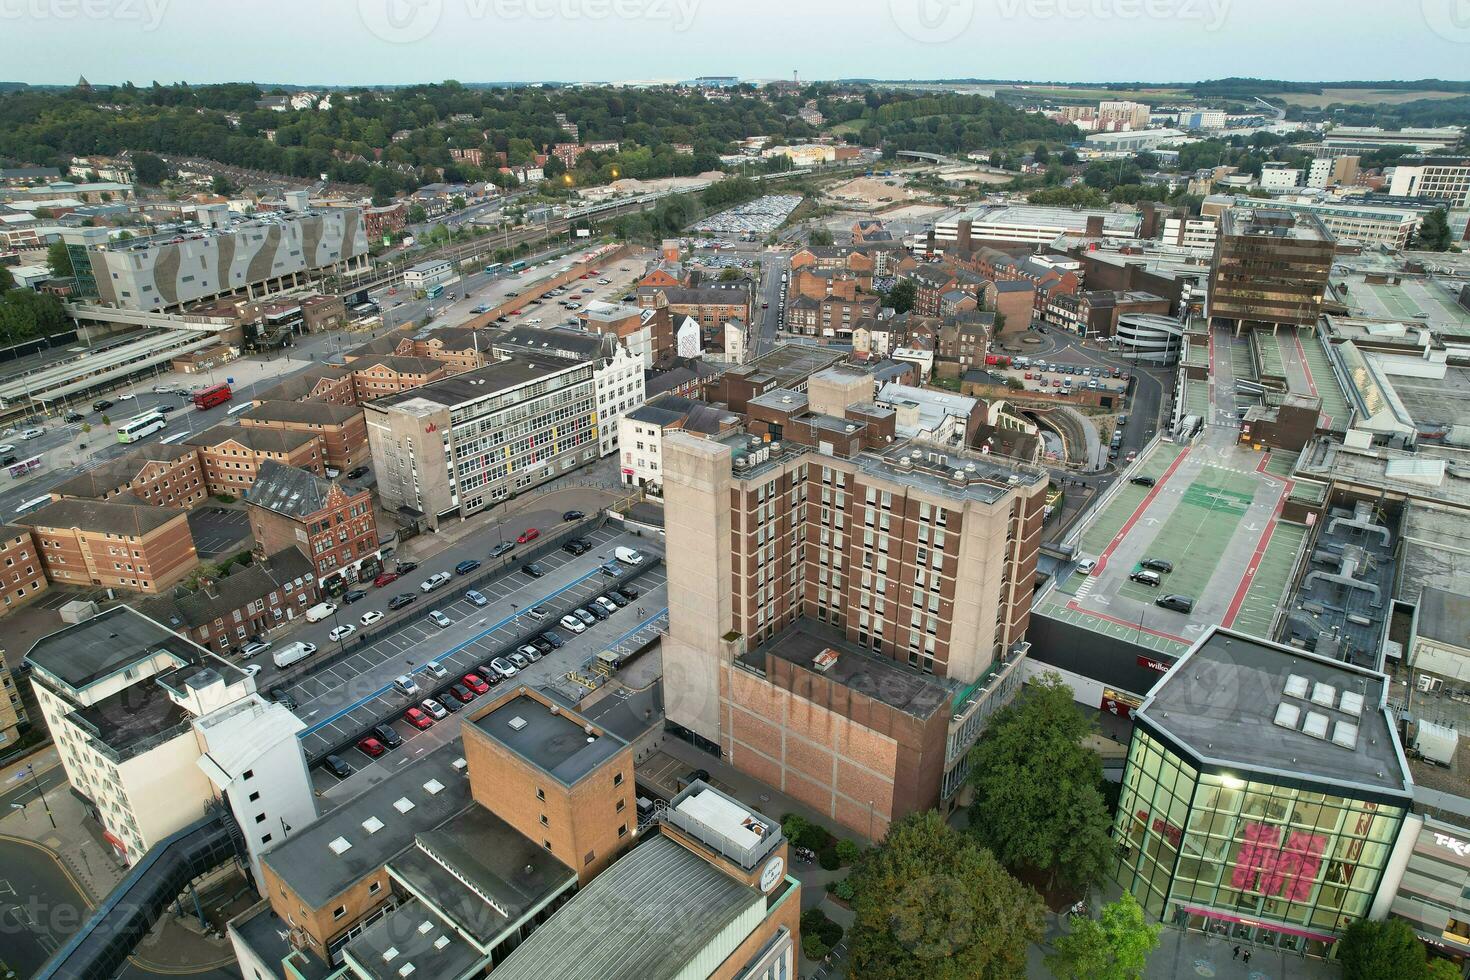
[(1264, 790), (113, 544), (1270, 266), (460, 444), (1365, 139), (254, 257), (426, 274), (1319, 172), (1030, 225), (1352, 222), (332, 522), (1194, 234), (617, 372), (1277, 176), (148, 728), (1444, 179), (851, 608)]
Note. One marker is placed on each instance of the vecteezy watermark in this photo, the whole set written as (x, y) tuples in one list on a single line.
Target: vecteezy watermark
[(148, 14), (1210, 14), (407, 21), (932, 21), (1450, 19)]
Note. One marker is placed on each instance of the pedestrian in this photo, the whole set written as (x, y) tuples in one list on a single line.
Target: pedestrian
[(1235, 955), (1246, 957)]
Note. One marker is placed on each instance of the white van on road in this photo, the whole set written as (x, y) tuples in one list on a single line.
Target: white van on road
[(320, 611), (292, 652)]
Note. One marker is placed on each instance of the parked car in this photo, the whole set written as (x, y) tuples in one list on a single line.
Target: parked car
[(503, 548), (490, 675), (461, 693), (369, 618), (433, 709), (357, 472), (465, 567), (371, 747), (1143, 481), (447, 702), (612, 569), (628, 591), (386, 578), (604, 603), (576, 546), (418, 718), (617, 599), (538, 612), (594, 609), (434, 581), (542, 647), (440, 620), (573, 623), (404, 567), (337, 766), (519, 660), (504, 668), (532, 569), (573, 515), (476, 598), (586, 617), (388, 735), (1178, 603), (1158, 564), (1145, 577), (32, 433), (353, 595), (475, 683), (436, 670), (529, 534), (342, 632), (251, 649), (401, 600), (554, 638), (1086, 565)]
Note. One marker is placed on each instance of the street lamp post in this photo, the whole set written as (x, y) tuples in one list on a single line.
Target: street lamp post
[(41, 792)]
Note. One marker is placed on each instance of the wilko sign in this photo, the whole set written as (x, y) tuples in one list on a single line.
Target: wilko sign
[(1149, 663)]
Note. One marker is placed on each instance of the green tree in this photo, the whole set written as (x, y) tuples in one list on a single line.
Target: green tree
[(1374, 950), (149, 169), (1076, 196), (1038, 790), (1440, 969), (820, 236), (417, 214), (221, 185), (902, 296), (931, 903), (730, 274), (1117, 948), (1434, 231), (7, 281), (1146, 161), (59, 260), (25, 313), (1068, 157), (1041, 154)]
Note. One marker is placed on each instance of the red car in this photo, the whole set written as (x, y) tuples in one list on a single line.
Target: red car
[(385, 579), (515, 312), (529, 534), (587, 275), (418, 718), (462, 694), (371, 746), (475, 683)]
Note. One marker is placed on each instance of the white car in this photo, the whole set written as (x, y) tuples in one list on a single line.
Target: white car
[(1086, 565), (607, 604), (503, 667), (436, 670), (574, 624), (370, 618), (434, 581), (32, 433), (7, 448), (440, 620), (250, 670), (434, 709), (342, 632)]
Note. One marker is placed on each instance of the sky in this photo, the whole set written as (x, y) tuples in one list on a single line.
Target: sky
[(347, 42)]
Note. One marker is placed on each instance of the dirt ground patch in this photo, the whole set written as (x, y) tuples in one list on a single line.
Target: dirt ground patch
[(868, 193), (1363, 96)]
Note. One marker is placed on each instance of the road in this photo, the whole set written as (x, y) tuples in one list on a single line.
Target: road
[(774, 265), (40, 907)]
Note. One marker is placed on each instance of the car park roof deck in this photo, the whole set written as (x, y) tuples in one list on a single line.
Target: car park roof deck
[(548, 738)]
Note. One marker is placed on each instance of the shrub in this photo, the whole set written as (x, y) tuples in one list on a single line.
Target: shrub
[(843, 889), (813, 948), (827, 858), (794, 826), (225, 498), (848, 851)]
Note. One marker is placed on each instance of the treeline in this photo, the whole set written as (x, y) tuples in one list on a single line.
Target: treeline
[(26, 314)]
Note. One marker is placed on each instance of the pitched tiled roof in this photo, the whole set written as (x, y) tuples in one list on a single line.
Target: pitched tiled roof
[(116, 516), (288, 490)]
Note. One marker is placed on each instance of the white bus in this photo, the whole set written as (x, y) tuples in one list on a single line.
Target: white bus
[(141, 426), (31, 505), (177, 436), (242, 407)]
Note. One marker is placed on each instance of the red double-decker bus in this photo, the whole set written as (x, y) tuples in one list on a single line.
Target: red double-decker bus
[(212, 396)]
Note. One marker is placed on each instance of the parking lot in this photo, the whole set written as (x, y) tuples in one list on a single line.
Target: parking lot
[(218, 530), (1063, 379), (759, 217), (341, 700)]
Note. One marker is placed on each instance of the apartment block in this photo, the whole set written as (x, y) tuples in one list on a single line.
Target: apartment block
[(341, 428), (851, 608), (379, 376), (124, 698), (166, 475), (113, 544), (22, 575), (223, 614), (231, 455), (507, 427), (12, 710), (1444, 179), (333, 523), (641, 431)]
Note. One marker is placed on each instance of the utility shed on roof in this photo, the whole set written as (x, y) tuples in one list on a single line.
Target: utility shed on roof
[(670, 911)]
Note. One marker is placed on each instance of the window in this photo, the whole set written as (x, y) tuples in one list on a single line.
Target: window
[(621, 805), (618, 779), (544, 821), (260, 818), (265, 838), (540, 794), (339, 911), (255, 796), (623, 831), (375, 887), (592, 855), (546, 844), (248, 774)]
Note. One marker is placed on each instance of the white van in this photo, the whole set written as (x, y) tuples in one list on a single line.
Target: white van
[(292, 652), (628, 556), (319, 612)]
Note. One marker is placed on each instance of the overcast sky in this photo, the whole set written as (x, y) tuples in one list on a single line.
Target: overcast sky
[(395, 41)]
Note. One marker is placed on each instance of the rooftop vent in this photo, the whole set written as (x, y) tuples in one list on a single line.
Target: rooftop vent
[(517, 723), (403, 804), (433, 787), (372, 825), (1296, 685), (441, 942), (390, 954), (1287, 715), (1324, 694), (1315, 725), (1352, 703), (340, 846), (405, 970), (461, 764), (425, 927), (1345, 733)]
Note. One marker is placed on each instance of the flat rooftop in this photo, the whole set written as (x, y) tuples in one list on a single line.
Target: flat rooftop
[(644, 918), (1062, 219), (550, 739), (1252, 706), (1264, 221), (879, 678), (493, 379), (786, 365), (89, 651), (132, 717)]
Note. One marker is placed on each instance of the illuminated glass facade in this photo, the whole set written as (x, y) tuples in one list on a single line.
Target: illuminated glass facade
[(1287, 863)]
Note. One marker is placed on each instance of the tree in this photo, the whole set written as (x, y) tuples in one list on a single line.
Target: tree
[(59, 260), (731, 274), (25, 313), (1146, 161), (902, 296), (1440, 969), (1068, 157), (7, 281), (221, 185), (1039, 805), (820, 236), (417, 214), (1117, 948), (1434, 231), (928, 902), (149, 169), (1371, 950), (1041, 154)]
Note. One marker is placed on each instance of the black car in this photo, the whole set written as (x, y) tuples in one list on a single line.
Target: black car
[(337, 766), (165, 409), (279, 695), (596, 610), (356, 472), (1158, 564), (617, 599), (1142, 481), (401, 600), (465, 567), (573, 515), (386, 734), (447, 701), (101, 405), (540, 643), (502, 319), (553, 638), (576, 546), (503, 548), (73, 417), (627, 592), (532, 569), (612, 569), (490, 675), (9, 459), (404, 567), (352, 595)]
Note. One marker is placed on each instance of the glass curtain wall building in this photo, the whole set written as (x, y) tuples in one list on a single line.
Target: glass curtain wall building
[(1264, 790)]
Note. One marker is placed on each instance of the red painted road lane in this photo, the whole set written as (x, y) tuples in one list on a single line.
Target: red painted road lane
[(1102, 559), (1324, 419), (1261, 545), (1123, 622)]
